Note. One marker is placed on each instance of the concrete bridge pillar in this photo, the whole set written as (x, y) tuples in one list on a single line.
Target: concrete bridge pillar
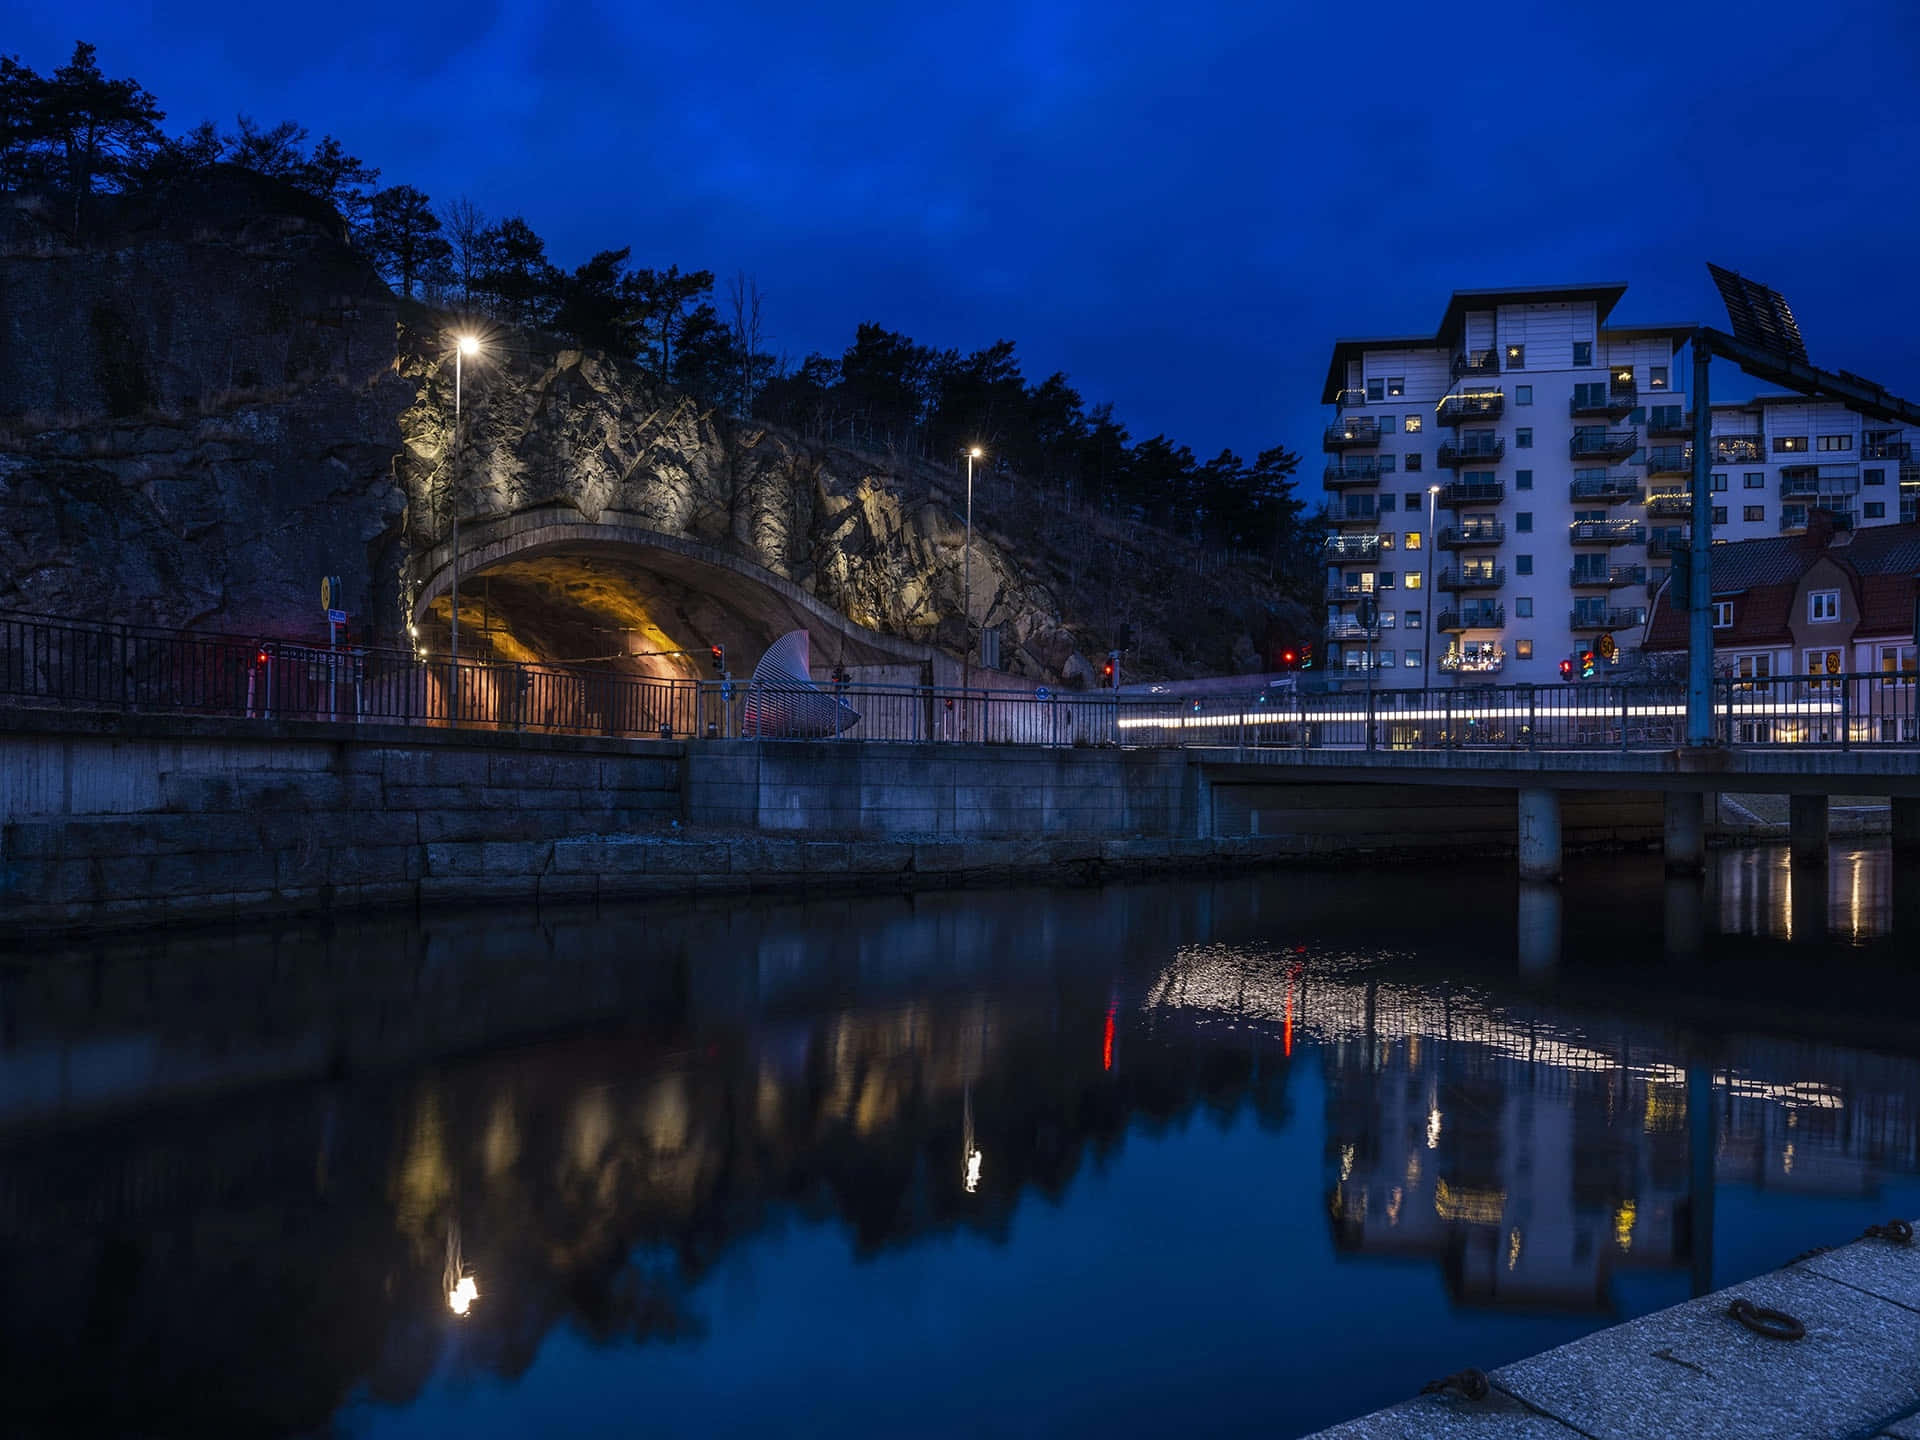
[(1807, 828), (1539, 928), (1906, 825), (1539, 835), (1686, 832)]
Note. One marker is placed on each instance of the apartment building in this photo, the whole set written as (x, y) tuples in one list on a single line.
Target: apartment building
[(1509, 490)]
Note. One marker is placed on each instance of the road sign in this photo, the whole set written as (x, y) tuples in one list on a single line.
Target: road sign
[(336, 617), (1607, 648), (1043, 693), (333, 595)]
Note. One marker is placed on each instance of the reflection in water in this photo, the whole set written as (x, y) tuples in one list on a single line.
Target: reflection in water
[(246, 1183)]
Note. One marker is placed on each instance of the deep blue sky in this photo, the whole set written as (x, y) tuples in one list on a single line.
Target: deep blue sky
[(1179, 205)]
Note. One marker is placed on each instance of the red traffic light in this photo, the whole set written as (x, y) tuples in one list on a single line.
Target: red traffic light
[(1288, 659), (261, 658), (1566, 669)]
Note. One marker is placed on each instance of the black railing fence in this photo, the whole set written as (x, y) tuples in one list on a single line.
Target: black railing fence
[(50, 663)]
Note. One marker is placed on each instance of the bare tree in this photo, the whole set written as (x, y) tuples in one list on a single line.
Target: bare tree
[(465, 226), (743, 298)]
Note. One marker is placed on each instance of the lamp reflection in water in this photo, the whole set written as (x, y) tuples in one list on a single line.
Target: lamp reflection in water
[(462, 1289), (970, 1152)]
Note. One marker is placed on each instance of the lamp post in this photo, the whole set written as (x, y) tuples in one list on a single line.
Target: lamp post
[(463, 346), (1433, 542), (966, 568)]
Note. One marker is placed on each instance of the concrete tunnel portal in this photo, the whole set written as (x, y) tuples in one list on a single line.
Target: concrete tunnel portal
[(553, 587)]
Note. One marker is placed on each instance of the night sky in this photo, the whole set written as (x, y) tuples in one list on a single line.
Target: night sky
[(1179, 205)]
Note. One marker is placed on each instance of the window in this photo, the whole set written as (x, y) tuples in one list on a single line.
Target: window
[(1823, 662), (1583, 352), (1385, 581), (1415, 463), (1789, 444), (1873, 477), (1523, 522), (1523, 394), (1523, 607), (1516, 357), (1719, 483), (1523, 649), (1413, 540), (1413, 619), (1875, 509), (1753, 512), (1523, 439), (1897, 664), (1754, 480), (1413, 424), (1386, 504), (1751, 668), (1656, 377), (1523, 564), (1723, 614), (1523, 479), (1590, 396), (1396, 385), (1386, 542), (1823, 605), (1414, 500), (1719, 515), (1413, 579), (1384, 659), (1376, 389), (1836, 442)]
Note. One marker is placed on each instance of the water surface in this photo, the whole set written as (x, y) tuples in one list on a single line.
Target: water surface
[(1234, 1157)]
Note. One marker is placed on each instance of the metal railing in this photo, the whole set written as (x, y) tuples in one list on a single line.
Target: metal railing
[(1469, 451), (1472, 577), (1351, 547), (1358, 472), (1357, 431), (68, 666), (1596, 444), (1455, 409), (1465, 537), (1606, 532), (1476, 362), (1624, 487), (1610, 618), (1670, 460), (1612, 576)]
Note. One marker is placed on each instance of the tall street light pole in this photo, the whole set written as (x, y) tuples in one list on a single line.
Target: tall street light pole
[(966, 567), (1433, 543), (464, 346)]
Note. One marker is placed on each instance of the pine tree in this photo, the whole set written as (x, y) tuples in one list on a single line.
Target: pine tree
[(404, 237), (98, 130)]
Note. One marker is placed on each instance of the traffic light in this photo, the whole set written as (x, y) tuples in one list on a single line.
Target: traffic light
[(1586, 664), (1566, 669), (1306, 656), (720, 660), (1106, 676), (1289, 659)]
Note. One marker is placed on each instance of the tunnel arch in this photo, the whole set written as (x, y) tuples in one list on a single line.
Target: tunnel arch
[(757, 605)]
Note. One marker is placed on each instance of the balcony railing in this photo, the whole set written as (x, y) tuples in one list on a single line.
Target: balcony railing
[(1606, 489), (1483, 577), (1613, 577), (1348, 627), (1471, 537), (1470, 450), (1352, 514), (1455, 663), (1807, 483), (1351, 434), (1616, 402), (1613, 618), (1670, 460), (1354, 472), (1795, 517), (1887, 450), (1678, 429), (1666, 546), (1351, 547), (1476, 362), (1472, 492), (1352, 395), (1739, 449), (1471, 617), (1607, 532), (1598, 444), (1475, 405), (1670, 505)]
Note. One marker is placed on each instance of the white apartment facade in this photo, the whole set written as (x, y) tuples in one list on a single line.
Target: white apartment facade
[(1507, 493)]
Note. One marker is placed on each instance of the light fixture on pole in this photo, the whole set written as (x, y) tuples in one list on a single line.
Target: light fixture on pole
[(1433, 540), (463, 346), (966, 566)]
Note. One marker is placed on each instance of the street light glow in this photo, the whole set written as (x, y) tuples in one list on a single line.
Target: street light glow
[(976, 452), (469, 345), (461, 1297)]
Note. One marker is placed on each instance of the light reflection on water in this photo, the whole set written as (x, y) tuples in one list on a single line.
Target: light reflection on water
[(1266, 1152)]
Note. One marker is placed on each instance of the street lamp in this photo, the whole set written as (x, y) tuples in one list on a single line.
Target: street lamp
[(966, 566), (463, 346), (1426, 648)]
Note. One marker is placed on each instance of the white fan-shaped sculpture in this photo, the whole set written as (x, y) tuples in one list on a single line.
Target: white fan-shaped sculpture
[(783, 703)]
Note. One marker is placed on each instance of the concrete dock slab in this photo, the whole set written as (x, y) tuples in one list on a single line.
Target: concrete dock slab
[(1879, 1267)]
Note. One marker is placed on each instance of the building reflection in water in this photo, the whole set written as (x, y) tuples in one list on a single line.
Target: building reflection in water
[(1534, 1151)]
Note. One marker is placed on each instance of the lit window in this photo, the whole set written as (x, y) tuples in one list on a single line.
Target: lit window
[(1836, 442), (1413, 540), (1396, 385), (1413, 619), (1583, 352), (1823, 605), (1386, 542), (1413, 579), (1523, 395), (1412, 659), (1523, 439), (1722, 614), (1753, 512), (1523, 607), (1516, 357), (1789, 444), (1897, 664), (1824, 662), (1523, 649), (1413, 424), (1751, 668), (1656, 377)]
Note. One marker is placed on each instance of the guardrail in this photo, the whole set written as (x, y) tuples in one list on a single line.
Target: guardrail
[(68, 665)]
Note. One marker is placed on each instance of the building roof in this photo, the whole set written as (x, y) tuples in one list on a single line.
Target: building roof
[(1604, 297), (1882, 561)]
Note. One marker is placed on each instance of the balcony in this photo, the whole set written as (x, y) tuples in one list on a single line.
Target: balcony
[(1470, 450), (1613, 577), (1352, 434), (1479, 663), (1351, 396), (1358, 513), (1348, 627), (1471, 537), (1368, 471), (1663, 422), (1472, 492), (1351, 547), (1739, 449), (1607, 532), (1471, 617), (1593, 443), (1472, 577), (1614, 618), (1794, 517), (1670, 505), (1837, 484), (1618, 400), (1618, 489), (1670, 460), (1473, 405), (1476, 362), (1664, 545), (1887, 450)]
